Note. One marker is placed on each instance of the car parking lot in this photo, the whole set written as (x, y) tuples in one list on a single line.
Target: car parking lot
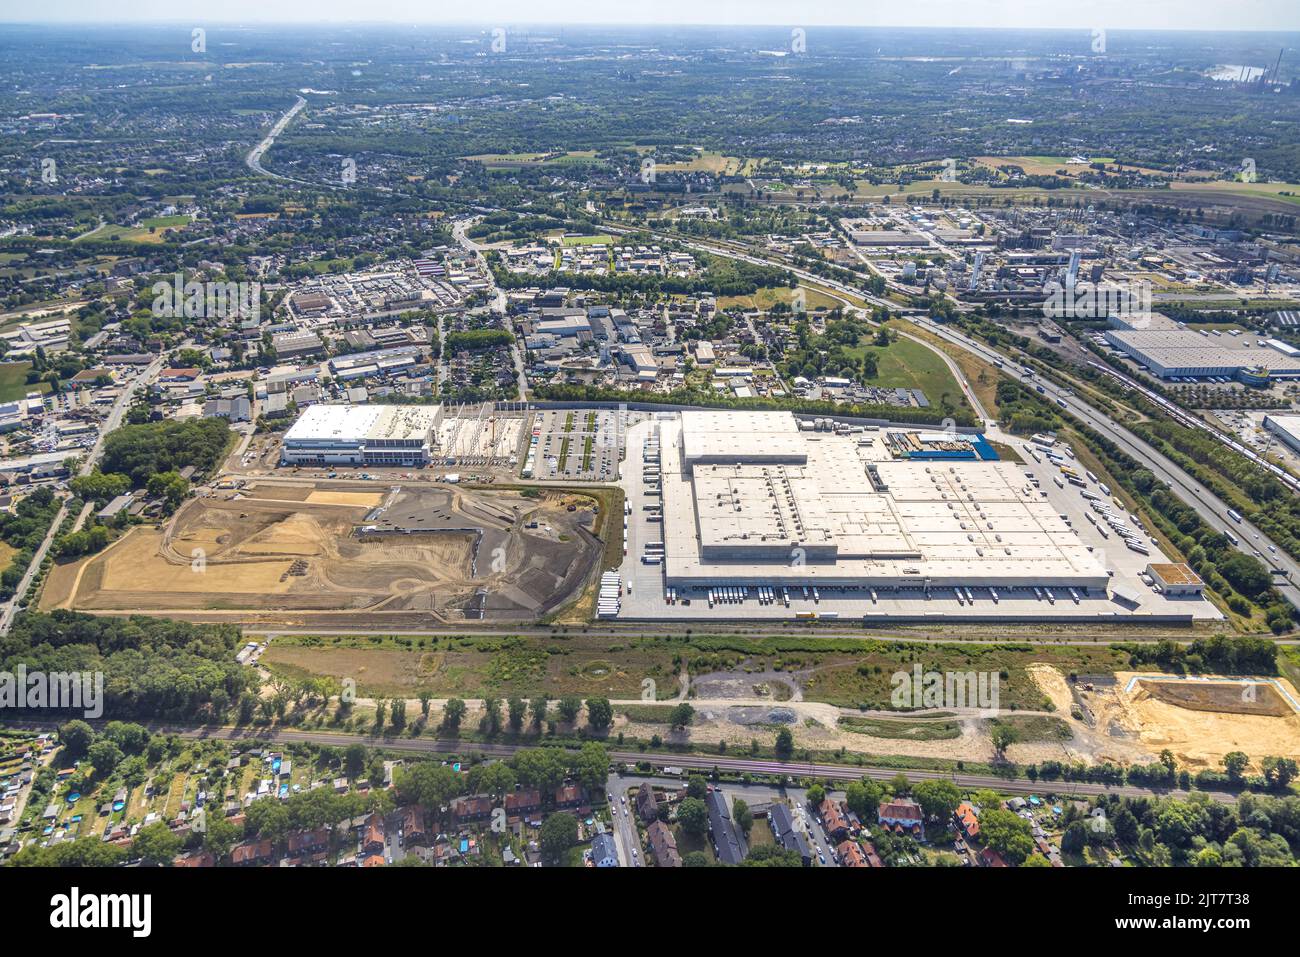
[(581, 445)]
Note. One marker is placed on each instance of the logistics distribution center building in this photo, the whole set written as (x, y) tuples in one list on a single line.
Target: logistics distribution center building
[(749, 498), (393, 435), (1173, 352)]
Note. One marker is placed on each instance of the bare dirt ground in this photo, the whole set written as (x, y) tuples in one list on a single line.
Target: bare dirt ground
[(1198, 737), (739, 707), (451, 553), (1116, 726)]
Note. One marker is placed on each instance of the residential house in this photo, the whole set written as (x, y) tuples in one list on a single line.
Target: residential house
[(728, 843), (475, 807), (902, 817), (647, 805), (834, 821), (968, 820), (308, 842), (415, 832), (372, 840), (523, 801), (663, 846), (569, 796), (851, 854), (603, 853), (781, 821), (251, 854)]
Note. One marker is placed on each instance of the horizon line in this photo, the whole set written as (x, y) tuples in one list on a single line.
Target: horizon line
[(560, 24)]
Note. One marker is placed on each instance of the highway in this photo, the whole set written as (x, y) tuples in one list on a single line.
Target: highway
[(254, 158), (1206, 504)]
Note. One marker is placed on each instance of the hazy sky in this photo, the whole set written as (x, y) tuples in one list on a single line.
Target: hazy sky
[(1110, 14)]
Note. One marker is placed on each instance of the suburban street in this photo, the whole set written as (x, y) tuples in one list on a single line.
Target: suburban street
[(498, 303), (111, 422)]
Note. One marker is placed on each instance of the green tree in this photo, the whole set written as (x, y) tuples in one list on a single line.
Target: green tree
[(156, 845), (495, 777), (558, 833), (452, 714), (77, 737), (427, 783), (743, 816), (569, 707), (863, 799), (693, 816), (542, 768), (784, 743), (599, 713), (1003, 736), (355, 757), (938, 798), (1235, 764), (591, 766), (1007, 833), (517, 708), (681, 716)]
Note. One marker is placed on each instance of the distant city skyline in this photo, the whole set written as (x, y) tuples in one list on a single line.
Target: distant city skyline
[(1243, 15)]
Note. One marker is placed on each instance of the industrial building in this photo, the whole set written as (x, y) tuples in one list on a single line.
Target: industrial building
[(1286, 428), (363, 435), (750, 499), (1182, 353), (1175, 578)]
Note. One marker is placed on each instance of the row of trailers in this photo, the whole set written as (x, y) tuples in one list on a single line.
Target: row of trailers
[(610, 598), (766, 594)]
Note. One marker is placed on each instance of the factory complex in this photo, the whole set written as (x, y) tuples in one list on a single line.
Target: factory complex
[(730, 508), (377, 435), (1172, 351)]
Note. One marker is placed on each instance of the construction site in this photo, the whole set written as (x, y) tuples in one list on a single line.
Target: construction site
[(338, 555), (1198, 719)]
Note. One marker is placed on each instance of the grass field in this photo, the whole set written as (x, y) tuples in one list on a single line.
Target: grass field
[(13, 381), (598, 239), (1035, 727), (906, 730), (769, 296), (850, 672), (710, 161), (508, 160), (982, 377), (911, 365), (133, 234), (7, 553)]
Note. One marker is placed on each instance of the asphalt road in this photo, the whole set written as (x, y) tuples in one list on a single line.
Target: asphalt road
[(254, 158), (114, 419)]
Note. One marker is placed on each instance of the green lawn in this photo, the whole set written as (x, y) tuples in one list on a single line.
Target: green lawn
[(13, 381), (911, 365), (594, 240)]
